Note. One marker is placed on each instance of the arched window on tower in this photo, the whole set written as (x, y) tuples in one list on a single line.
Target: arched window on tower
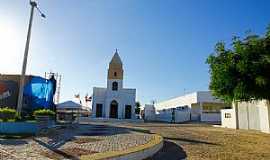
[(114, 86), (115, 74)]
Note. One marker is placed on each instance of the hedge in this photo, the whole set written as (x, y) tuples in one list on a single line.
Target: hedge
[(43, 112), (8, 114)]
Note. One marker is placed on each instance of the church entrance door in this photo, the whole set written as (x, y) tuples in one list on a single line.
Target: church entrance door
[(99, 110), (128, 112), (114, 109)]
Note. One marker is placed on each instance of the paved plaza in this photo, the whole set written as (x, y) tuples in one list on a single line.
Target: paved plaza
[(181, 141), (72, 142)]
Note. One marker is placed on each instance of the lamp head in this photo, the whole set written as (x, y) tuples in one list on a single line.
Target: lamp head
[(43, 15), (33, 3)]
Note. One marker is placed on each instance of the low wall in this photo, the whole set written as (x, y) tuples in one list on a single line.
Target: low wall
[(180, 116), (90, 119), (149, 112), (164, 117), (18, 127), (254, 115), (210, 117), (228, 119)]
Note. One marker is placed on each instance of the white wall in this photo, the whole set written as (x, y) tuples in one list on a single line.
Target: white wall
[(149, 112), (164, 117), (196, 98), (106, 96), (228, 122), (187, 99), (182, 116), (251, 115), (210, 117), (98, 98), (196, 111), (254, 115), (264, 113)]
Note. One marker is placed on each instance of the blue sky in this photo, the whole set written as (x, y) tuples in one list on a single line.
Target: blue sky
[(163, 43)]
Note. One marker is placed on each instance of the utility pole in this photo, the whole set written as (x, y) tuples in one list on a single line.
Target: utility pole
[(22, 78)]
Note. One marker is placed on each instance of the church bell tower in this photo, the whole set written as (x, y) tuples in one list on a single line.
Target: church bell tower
[(115, 73)]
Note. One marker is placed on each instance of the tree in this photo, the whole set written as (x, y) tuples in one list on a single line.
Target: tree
[(137, 107), (242, 72)]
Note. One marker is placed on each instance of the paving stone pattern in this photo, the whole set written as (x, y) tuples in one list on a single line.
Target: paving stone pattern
[(52, 146)]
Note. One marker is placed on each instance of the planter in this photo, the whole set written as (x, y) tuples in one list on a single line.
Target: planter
[(18, 127)]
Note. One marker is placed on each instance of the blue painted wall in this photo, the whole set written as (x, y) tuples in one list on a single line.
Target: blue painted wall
[(18, 127)]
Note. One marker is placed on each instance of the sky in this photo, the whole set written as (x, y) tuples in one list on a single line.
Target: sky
[(163, 43)]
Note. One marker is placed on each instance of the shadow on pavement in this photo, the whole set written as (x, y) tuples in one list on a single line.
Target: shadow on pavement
[(55, 150), (101, 130), (170, 151), (192, 141)]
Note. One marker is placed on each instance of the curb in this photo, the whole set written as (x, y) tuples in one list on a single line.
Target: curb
[(134, 153), (138, 129)]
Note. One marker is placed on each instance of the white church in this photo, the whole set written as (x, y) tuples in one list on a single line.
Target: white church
[(114, 101)]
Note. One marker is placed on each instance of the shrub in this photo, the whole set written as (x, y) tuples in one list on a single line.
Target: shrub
[(8, 114), (44, 112)]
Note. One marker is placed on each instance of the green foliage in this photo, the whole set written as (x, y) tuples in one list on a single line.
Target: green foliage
[(8, 114), (137, 107), (242, 72), (43, 112)]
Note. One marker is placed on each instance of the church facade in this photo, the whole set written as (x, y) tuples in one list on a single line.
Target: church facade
[(114, 101)]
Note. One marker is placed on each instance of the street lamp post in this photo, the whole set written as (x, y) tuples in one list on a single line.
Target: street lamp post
[(22, 79)]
